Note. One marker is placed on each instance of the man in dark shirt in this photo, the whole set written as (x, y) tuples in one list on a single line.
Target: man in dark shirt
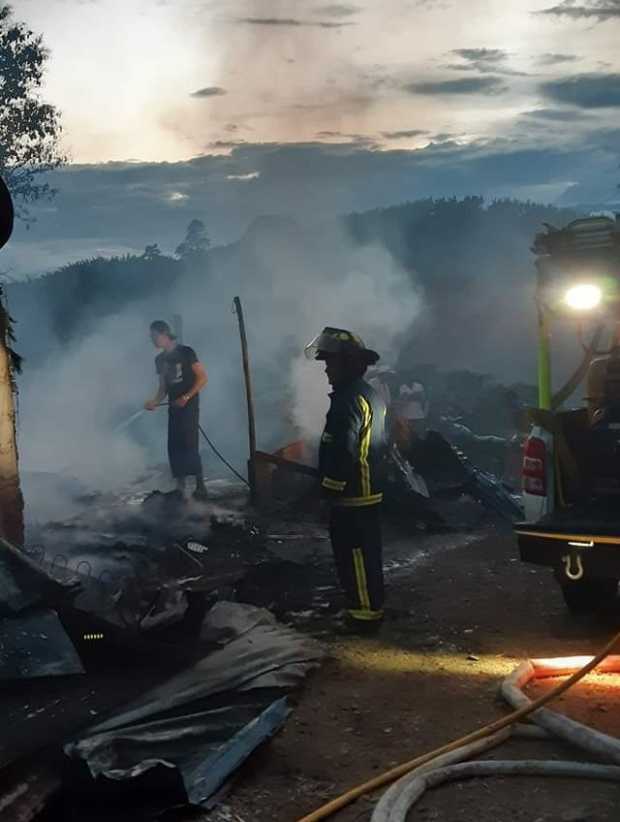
[(181, 378)]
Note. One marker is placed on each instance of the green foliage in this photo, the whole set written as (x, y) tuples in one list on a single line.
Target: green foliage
[(29, 128), (78, 295), (194, 247), (450, 242), (450, 247), (151, 252)]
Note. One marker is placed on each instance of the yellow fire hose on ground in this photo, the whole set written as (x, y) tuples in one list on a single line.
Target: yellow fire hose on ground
[(491, 735)]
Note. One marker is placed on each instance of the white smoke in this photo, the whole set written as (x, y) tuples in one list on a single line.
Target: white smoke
[(292, 283), (68, 408), (374, 298)]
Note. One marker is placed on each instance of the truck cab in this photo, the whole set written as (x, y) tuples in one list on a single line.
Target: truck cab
[(571, 458)]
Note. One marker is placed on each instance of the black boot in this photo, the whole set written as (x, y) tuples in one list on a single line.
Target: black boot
[(201, 492), (350, 626)]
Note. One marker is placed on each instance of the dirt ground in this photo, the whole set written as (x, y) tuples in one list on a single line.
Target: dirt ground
[(459, 620)]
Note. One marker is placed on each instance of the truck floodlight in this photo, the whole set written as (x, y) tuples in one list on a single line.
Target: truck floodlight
[(583, 297)]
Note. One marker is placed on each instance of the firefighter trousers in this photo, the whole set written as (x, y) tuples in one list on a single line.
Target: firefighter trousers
[(358, 552)]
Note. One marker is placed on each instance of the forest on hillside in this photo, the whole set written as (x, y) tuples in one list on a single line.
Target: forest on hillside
[(442, 288), (451, 248)]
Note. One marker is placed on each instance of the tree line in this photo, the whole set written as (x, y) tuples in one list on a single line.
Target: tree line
[(449, 246)]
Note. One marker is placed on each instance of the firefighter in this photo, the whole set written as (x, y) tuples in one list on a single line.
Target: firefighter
[(351, 458), (181, 378)]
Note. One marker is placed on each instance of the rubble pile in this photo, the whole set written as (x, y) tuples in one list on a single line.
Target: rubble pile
[(187, 594), (143, 601), (179, 743)]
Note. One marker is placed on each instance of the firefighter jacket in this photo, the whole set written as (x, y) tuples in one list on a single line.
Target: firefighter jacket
[(353, 446)]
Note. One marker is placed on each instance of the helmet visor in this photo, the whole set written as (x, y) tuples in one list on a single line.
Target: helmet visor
[(339, 341), (323, 343)]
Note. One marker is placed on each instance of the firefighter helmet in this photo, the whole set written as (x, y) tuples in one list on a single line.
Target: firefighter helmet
[(339, 341)]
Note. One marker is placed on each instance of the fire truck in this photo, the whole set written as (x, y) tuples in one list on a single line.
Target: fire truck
[(571, 458)]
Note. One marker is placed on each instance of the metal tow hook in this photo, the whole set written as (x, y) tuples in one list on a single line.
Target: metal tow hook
[(577, 573)]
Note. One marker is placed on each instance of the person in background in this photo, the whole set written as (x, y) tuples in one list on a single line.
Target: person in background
[(351, 468), (409, 415), (181, 378), (407, 406)]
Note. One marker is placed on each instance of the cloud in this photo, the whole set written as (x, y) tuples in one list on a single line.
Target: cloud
[(309, 181), (301, 179), (345, 102), (481, 55), (585, 90), (484, 61), (552, 59), (555, 114), (242, 178), (225, 144), (358, 139), (291, 22), (464, 85), (339, 10), (404, 134), (235, 128), (597, 10), (209, 91), (269, 21), (444, 136)]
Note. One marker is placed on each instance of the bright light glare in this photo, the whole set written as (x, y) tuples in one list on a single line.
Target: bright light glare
[(583, 297)]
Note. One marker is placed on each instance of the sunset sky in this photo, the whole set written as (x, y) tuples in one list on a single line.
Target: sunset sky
[(224, 110), (169, 79)]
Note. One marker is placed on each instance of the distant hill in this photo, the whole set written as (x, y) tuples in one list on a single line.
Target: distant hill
[(452, 240), (466, 257), (437, 286)]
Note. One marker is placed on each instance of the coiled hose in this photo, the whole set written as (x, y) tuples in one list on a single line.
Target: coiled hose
[(489, 736)]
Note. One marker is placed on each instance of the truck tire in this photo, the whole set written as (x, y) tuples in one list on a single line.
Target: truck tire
[(589, 595)]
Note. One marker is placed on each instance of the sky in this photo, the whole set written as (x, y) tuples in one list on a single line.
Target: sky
[(165, 80), (228, 109)]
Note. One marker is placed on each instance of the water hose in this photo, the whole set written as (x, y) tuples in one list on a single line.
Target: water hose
[(575, 733), (138, 414), (391, 800), (223, 459), (467, 770), (327, 810), (396, 802)]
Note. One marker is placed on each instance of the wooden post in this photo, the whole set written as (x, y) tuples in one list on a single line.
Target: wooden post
[(250, 401), (11, 500)]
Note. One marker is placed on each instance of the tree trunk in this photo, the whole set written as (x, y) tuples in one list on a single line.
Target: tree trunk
[(11, 499)]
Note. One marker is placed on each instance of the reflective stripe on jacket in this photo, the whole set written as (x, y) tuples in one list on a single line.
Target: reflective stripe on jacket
[(353, 446)]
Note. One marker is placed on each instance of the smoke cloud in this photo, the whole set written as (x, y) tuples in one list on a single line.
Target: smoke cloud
[(69, 407), (374, 298), (292, 282), (279, 95)]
